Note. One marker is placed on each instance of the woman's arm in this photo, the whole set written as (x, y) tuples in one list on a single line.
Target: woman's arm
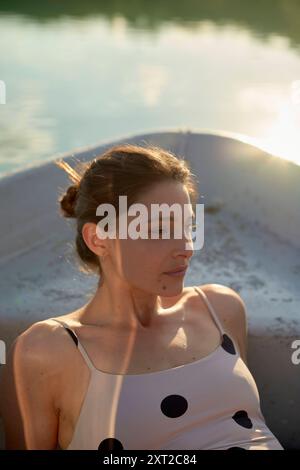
[(239, 324), (27, 392), (231, 309)]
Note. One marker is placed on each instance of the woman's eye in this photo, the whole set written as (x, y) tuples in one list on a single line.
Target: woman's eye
[(160, 231)]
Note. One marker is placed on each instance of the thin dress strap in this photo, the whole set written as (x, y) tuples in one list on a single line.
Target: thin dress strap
[(78, 344), (211, 309)]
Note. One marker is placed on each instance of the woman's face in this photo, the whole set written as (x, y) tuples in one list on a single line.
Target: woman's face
[(143, 263)]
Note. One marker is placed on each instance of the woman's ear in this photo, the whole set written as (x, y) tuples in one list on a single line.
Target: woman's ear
[(95, 244)]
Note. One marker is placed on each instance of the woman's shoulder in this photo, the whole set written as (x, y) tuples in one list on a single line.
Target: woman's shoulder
[(42, 345), (224, 293), (217, 293), (229, 303)]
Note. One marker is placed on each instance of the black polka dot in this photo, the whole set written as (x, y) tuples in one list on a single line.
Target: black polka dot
[(236, 448), (174, 406), (110, 444), (227, 344), (241, 417)]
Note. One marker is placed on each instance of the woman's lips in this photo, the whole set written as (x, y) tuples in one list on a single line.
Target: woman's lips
[(180, 272)]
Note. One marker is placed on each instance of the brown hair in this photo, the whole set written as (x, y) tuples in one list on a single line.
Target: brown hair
[(121, 170)]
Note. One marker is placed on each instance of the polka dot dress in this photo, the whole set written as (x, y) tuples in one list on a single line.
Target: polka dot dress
[(211, 404)]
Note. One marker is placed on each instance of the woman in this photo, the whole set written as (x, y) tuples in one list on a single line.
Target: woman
[(146, 363)]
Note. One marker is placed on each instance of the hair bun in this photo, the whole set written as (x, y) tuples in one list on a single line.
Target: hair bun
[(68, 201)]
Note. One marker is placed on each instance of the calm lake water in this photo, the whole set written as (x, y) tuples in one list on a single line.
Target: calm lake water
[(83, 72)]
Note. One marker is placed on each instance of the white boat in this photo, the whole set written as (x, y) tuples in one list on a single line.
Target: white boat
[(252, 244)]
